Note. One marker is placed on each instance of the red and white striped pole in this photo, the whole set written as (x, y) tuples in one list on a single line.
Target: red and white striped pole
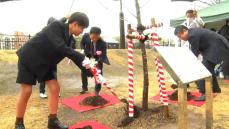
[(161, 81), (140, 37), (100, 79), (110, 89), (131, 77), (160, 72), (155, 38)]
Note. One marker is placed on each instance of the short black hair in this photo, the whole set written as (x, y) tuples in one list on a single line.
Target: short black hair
[(95, 30), (180, 29), (80, 18), (189, 11)]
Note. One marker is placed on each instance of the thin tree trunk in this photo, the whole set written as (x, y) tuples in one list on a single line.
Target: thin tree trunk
[(144, 59)]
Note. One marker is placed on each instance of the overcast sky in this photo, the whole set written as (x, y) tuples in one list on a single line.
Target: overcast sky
[(30, 16)]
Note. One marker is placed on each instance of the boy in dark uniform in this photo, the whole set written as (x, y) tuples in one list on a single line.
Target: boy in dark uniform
[(72, 45), (38, 59)]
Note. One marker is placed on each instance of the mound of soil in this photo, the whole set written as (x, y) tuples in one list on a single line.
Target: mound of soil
[(126, 121), (94, 101), (158, 115), (161, 112), (174, 96), (136, 109), (85, 127)]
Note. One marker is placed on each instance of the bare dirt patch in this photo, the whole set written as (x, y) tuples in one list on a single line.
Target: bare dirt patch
[(69, 78)]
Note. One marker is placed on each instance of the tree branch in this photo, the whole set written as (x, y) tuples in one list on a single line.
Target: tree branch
[(205, 2)]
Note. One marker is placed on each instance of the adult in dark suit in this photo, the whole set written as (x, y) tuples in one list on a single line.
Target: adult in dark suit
[(72, 45), (94, 47), (213, 47), (38, 59)]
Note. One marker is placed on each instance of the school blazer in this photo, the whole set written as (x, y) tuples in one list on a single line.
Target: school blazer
[(47, 48)]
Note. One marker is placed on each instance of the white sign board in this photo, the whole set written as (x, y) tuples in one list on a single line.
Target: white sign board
[(182, 64)]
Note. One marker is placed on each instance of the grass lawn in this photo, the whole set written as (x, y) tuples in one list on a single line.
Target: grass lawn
[(116, 74)]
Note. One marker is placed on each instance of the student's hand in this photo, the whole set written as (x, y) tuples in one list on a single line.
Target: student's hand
[(98, 53), (86, 63), (101, 79), (82, 51)]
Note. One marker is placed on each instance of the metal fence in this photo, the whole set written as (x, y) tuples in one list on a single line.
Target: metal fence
[(12, 42)]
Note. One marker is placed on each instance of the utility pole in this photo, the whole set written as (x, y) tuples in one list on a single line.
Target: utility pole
[(122, 29), (138, 12), (140, 29)]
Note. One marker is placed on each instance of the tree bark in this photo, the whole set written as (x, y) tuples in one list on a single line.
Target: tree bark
[(144, 60)]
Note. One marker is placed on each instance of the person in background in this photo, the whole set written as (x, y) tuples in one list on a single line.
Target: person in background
[(192, 20), (94, 47), (225, 30), (198, 19)]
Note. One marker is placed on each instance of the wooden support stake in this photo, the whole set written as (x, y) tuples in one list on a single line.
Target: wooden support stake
[(182, 106), (209, 105), (167, 111)]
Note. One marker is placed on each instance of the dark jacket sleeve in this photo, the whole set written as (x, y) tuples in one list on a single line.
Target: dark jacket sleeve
[(195, 41), (82, 42), (103, 57), (104, 51), (73, 42), (55, 36), (85, 45)]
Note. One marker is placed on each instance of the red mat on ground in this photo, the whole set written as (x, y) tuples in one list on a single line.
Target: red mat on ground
[(74, 102), (191, 102), (93, 124), (226, 81)]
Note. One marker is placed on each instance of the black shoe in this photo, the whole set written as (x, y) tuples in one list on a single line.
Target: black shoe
[(201, 98), (19, 125), (83, 91), (217, 91), (54, 123)]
